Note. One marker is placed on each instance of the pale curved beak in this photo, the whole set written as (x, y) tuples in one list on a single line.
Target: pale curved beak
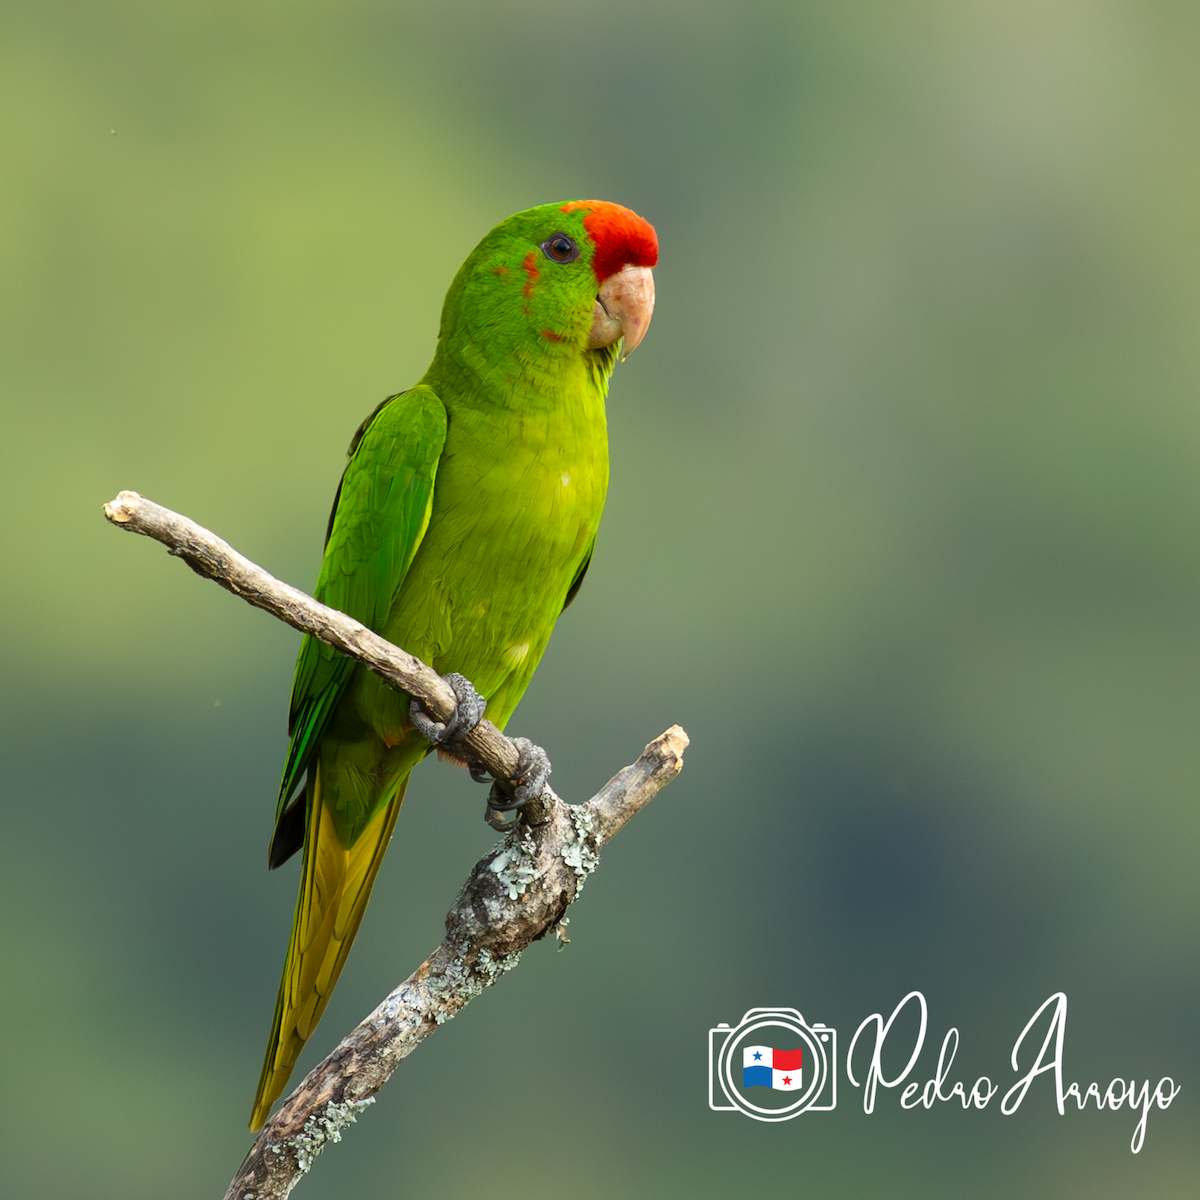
[(623, 308)]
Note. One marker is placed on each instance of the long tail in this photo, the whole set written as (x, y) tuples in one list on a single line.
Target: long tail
[(334, 890)]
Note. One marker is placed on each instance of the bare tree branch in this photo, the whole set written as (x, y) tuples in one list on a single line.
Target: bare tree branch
[(514, 895), (215, 559)]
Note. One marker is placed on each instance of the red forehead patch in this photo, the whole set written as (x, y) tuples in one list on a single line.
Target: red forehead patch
[(621, 237)]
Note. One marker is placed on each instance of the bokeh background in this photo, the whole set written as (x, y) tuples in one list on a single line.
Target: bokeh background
[(904, 528)]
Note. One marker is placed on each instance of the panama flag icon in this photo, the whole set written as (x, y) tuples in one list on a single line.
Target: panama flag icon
[(778, 1069)]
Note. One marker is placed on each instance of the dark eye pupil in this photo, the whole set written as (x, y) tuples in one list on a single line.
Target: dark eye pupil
[(560, 248)]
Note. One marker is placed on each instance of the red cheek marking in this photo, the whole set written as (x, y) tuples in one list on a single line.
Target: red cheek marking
[(529, 266), (551, 336), (620, 236)]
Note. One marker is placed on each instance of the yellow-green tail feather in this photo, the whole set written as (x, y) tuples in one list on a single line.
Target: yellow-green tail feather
[(333, 896)]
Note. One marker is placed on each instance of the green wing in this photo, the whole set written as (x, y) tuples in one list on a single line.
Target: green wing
[(577, 582), (379, 517)]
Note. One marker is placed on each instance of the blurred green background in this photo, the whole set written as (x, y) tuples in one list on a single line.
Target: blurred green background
[(904, 528)]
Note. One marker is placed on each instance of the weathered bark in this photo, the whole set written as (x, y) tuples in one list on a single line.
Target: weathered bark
[(209, 556), (515, 895)]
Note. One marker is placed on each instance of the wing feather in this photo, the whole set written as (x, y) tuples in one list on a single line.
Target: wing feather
[(380, 515)]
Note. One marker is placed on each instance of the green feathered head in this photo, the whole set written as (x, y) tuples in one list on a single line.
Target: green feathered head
[(557, 280)]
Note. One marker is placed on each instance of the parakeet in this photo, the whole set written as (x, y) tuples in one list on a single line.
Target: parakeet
[(463, 525)]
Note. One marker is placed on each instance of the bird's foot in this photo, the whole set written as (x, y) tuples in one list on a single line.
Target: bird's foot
[(468, 713), (533, 772)]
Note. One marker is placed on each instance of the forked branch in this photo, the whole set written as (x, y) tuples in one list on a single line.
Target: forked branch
[(515, 894)]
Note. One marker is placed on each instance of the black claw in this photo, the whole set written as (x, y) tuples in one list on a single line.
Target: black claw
[(499, 801), (479, 772), (533, 771), (497, 822), (468, 713)]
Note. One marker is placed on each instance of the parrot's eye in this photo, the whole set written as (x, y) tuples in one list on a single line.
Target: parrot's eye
[(560, 248)]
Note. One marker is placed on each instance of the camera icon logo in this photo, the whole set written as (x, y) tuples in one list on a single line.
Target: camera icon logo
[(772, 1066)]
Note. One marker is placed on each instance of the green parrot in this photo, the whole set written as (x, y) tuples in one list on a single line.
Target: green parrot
[(462, 527)]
